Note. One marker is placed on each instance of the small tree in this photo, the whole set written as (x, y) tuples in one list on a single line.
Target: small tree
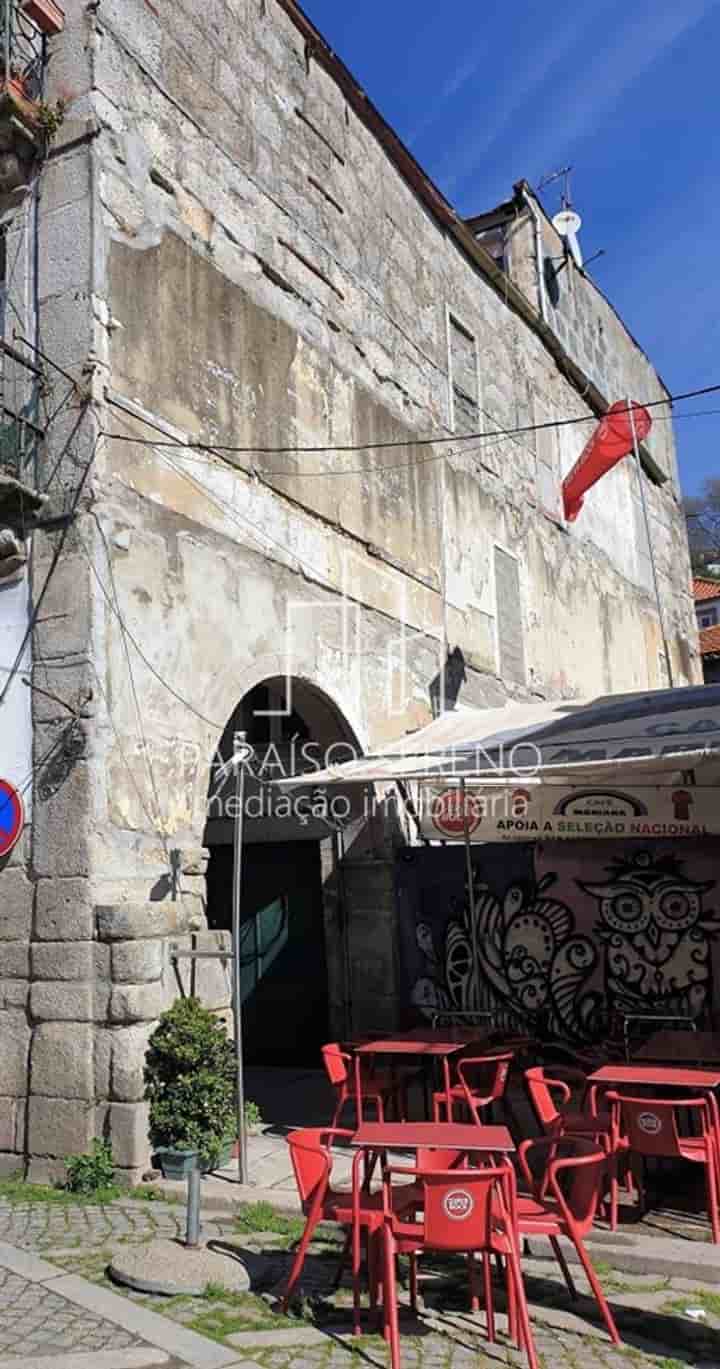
[(190, 1082), (703, 522)]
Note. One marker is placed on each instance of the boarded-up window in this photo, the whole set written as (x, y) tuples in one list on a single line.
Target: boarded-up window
[(508, 607), (642, 547), (549, 481), (464, 396)]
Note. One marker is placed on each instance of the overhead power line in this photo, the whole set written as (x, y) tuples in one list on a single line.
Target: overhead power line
[(136, 701), (51, 571), (209, 722), (283, 473), (438, 440)]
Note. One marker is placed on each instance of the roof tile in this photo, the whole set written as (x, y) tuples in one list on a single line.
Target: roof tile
[(710, 641), (705, 589)]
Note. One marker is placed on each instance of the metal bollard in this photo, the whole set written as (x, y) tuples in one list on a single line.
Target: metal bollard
[(192, 1233)]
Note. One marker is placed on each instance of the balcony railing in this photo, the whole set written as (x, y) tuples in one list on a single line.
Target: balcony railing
[(23, 50)]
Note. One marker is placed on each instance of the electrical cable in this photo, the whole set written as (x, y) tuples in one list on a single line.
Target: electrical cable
[(440, 439), (276, 472), (209, 722), (154, 820), (51, 571), (133, 689)]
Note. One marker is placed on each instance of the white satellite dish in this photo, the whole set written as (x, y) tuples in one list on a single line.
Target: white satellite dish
[(568, 224)]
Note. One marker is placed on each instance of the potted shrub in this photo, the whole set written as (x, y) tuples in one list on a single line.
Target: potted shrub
[(190, 1083)]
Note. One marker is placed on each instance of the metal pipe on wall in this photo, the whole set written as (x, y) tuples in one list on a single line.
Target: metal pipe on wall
[(648, 534), (471, 892), (535, 212)]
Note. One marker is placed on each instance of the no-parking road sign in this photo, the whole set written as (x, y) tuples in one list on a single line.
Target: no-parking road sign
[(12, 816)]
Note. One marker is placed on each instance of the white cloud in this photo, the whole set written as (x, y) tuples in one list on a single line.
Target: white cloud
[(523, 79), (612, 71), (584, 89)]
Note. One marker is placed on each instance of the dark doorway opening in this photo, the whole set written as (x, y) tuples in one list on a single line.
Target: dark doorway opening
[(282, 948), (292, 727)]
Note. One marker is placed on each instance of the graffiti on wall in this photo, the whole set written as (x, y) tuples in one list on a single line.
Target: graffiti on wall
[(559, 939)]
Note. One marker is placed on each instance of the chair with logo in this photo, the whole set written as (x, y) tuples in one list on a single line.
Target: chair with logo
[(649, 1128), (466, 1211)]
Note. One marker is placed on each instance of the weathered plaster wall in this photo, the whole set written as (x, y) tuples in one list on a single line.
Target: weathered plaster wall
[(227, 252)]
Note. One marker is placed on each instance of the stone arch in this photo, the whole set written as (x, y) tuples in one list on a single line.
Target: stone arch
[(292, 930), (233, 687)]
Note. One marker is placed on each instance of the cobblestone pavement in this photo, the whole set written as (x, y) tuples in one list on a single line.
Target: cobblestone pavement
[(42, 1226), (35, 1321), (652, 1312)]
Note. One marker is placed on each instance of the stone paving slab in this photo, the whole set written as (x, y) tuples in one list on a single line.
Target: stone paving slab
[(38, 1320), (158, 1330), (109, 1359), (447, 1336), (295, 1336)]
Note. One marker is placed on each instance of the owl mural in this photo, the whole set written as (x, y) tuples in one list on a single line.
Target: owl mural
[(657, 937)]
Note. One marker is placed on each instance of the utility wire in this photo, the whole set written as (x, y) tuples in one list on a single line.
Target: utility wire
[(286, 474), (209, 722), (405, 442), (133, 689), (152, 819), (51, 571)]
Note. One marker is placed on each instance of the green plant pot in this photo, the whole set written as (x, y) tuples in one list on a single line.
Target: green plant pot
[(224, 1157), (176, 1164)]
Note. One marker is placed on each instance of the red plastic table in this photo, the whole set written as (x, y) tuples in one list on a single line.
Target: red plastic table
[(660, 1076), (462, 1036), (434, 1135), (423, 1045), (681, 1048)]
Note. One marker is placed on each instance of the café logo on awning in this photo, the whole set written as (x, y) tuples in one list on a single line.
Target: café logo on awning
[(452, 809), (600, 803)]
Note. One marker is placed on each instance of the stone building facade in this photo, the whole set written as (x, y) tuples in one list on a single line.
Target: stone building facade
[(262, 309)]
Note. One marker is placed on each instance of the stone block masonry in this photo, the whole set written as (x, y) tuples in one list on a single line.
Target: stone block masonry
[(229, 252)]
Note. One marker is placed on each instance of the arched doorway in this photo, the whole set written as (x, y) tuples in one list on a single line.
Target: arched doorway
[(291, 952)]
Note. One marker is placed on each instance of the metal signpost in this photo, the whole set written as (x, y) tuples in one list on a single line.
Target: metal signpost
[(242, 754)]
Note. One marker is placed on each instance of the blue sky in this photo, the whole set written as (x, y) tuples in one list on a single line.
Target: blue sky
[(625, 90)]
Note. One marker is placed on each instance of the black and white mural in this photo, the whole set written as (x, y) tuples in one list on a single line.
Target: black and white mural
[(566, 934)]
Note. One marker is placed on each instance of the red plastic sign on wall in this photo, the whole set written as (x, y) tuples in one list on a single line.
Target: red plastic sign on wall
[(12, 817)]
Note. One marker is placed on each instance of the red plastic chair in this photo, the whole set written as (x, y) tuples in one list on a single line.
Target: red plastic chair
[(561, 1120), (482, 1080), (358, 1210), (564, 1200), (378, 1089), (462, 1210), (649, 1127)]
